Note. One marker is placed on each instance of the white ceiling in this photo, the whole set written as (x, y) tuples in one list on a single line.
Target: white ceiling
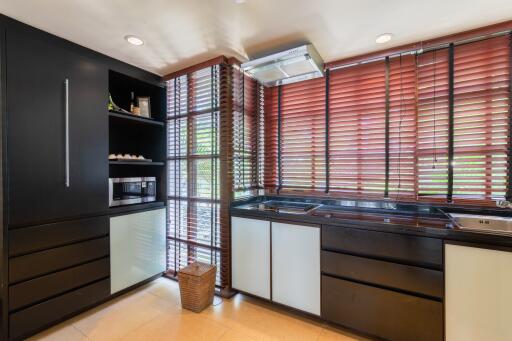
[(180, 33)]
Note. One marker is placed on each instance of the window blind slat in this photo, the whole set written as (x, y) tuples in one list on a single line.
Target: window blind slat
[(357, 111), (194, 232), (247, 134), (481, 80), (303, 135)]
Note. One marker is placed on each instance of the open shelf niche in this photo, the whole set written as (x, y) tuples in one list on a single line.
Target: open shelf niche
[(136, 135)]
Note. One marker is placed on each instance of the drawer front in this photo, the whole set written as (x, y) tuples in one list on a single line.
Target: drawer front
[(383, 313), (42, 237), (27, 321), (404, 277), (40, 263), (421, 251), (41, 288)]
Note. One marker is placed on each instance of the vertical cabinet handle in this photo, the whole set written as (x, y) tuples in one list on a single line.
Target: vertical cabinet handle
[(66, 87)]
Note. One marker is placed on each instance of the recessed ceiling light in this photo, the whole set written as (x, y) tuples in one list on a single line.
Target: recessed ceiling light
[(134, 40), (239, 1), (384, 38)]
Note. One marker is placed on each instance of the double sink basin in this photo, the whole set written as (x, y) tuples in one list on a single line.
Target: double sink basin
[(470, 222)]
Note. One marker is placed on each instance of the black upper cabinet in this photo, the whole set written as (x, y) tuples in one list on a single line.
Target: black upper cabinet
[(37, 67)]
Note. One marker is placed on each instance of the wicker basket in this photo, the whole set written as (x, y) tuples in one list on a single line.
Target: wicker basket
[(197, 286)]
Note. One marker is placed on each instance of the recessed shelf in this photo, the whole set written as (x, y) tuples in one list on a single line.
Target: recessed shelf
[(133, 118), (137, 163)]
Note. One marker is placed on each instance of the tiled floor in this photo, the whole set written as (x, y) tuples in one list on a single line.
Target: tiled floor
[(153, 312)]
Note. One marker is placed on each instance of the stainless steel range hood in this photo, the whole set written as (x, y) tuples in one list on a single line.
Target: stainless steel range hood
[(286, 67)]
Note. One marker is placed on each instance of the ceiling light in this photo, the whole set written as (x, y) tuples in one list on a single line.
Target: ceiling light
[(134, 40), (239, 1), (384, 38)]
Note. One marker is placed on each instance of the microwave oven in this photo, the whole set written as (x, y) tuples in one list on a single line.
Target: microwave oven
[(127, 191)]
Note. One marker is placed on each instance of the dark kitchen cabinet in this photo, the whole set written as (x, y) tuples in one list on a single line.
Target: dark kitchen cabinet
[(37, 67), (401, 248), (22, 323), (384, 313), (55, 241)]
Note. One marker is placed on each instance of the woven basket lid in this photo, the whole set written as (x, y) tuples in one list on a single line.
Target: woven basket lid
[(197, 269)]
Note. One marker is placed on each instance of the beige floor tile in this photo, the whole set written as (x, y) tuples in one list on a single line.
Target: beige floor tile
[(330, 333), (113, 321), (166, 289), (233, 335), (153, 312), (185, 326), (62, 332), (256, 320)]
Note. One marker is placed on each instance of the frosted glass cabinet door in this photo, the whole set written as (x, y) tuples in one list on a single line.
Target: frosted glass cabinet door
[(250, 260), (137, 248), (478, 284), (296, 266)]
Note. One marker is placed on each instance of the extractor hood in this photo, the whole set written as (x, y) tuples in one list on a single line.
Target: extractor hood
[(286, 67)]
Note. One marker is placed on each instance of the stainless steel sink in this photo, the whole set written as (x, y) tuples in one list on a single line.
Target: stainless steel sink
[(482, 223), (289, 207)]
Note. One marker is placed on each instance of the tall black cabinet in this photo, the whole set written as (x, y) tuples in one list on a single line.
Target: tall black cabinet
[(38, 72), (55, 240)]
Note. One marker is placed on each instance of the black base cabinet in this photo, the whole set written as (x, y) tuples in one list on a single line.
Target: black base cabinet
[(55, 270), (388, 285), (25, 322), (384, 313)]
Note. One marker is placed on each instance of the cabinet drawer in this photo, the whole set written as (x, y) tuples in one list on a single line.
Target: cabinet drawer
[(383, 313), (42, 237), (27, 321), (41, 288), (40, 263), (400, 247), (405, 277)]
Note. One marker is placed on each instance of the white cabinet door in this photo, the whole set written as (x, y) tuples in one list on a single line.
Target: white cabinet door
[(296, 266), (478, 285), (137, 248), (250, 259)]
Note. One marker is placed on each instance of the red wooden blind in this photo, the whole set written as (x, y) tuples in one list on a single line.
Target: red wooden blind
[(481, 119), (432, 126), (303, 135), (194, 232), (247, 134), (270, 180), (433, 117), (402, 127), (357, 118)]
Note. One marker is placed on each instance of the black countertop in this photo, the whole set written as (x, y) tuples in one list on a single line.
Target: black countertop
[(416, 219)]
